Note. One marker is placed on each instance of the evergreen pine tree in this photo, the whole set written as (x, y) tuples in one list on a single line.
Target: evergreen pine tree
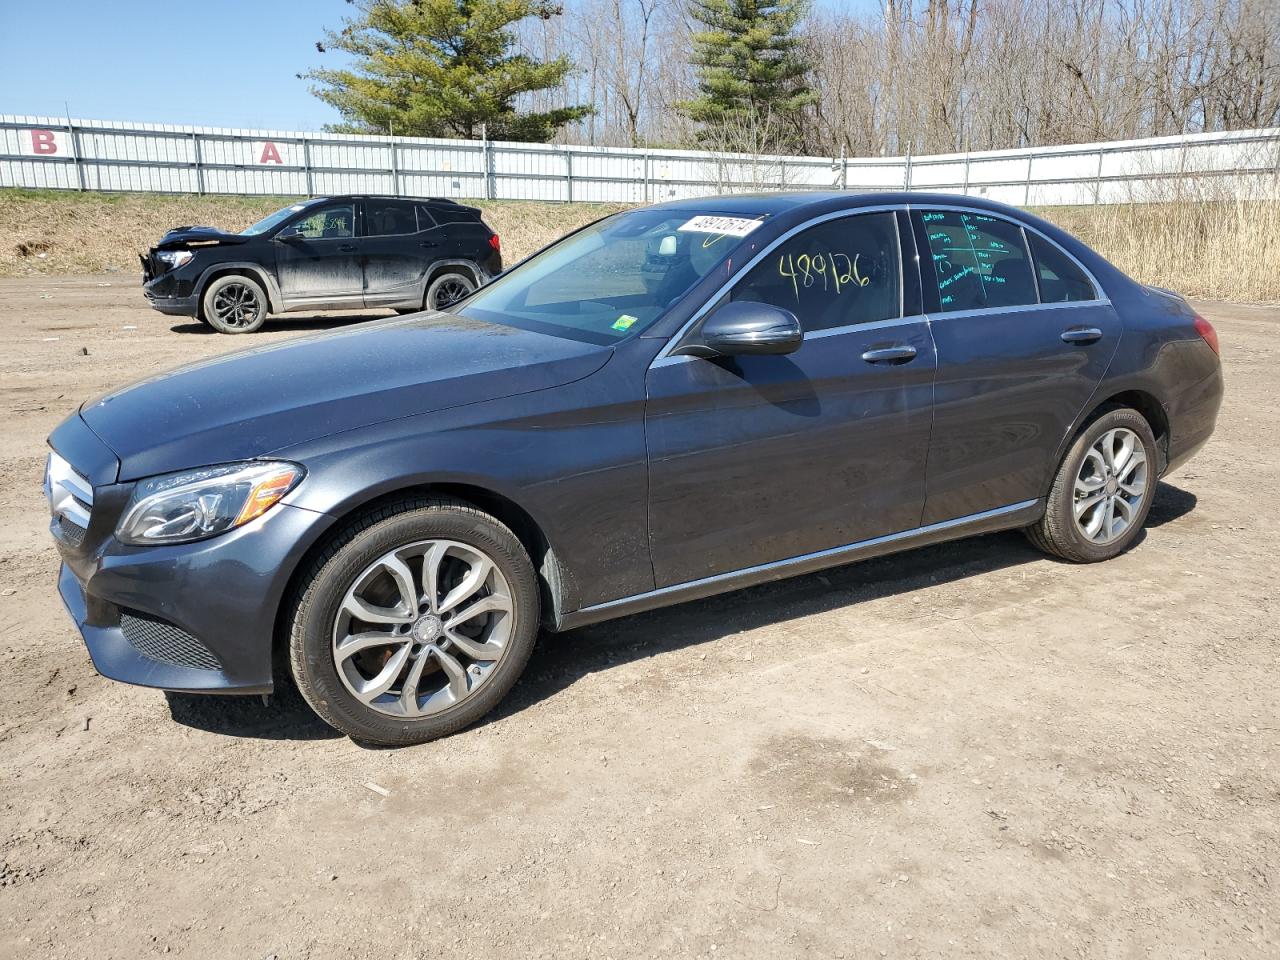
[(442, 68), (750, 68)]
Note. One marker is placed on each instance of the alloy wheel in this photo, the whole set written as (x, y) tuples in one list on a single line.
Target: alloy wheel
[(422, 628), (236, 305), (450, 291), (1110, 485)]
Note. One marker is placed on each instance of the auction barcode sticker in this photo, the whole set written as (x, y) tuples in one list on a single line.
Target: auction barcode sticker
[(726, 226)]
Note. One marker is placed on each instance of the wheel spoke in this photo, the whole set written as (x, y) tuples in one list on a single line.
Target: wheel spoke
[(431, 561), (473, 581), (372, 689), (1107, 447), (403, 576), (1086, 504), (409, 691), (353, 644), (474, 649), (459, 684), (363, 610), (1108, 518)]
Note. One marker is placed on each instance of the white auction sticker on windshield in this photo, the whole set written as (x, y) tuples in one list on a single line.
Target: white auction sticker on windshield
[(725, 226)]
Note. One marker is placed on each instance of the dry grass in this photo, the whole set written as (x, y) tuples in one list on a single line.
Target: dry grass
[(59, 232), (1217, 249), (1228, 250)]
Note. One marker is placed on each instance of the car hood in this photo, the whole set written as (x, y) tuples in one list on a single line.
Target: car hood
[(180, 238), (248, 404)]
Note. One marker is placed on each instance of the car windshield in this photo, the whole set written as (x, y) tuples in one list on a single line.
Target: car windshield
[(273, 221), (614, 278)]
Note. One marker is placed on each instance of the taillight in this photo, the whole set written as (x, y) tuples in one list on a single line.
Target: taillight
[(1210, 335), (495, 242)]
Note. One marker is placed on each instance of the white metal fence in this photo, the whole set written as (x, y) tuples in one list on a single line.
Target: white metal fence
[(48, 152)]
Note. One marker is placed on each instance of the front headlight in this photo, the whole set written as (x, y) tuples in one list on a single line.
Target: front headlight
[(194, 504), (174, 258)]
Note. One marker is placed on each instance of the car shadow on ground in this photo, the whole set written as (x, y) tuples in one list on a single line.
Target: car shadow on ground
[(291, 322), (561, 660)]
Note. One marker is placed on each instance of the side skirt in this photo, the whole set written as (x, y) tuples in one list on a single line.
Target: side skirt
[(1002, 518)]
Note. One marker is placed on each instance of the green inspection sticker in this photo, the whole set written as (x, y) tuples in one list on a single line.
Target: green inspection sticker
[(624, 322)]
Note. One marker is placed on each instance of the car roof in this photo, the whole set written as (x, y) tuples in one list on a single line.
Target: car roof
[(383, 196), (757, 204)]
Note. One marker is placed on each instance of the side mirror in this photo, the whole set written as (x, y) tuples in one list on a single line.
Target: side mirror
[(290, 235), (742, 327)]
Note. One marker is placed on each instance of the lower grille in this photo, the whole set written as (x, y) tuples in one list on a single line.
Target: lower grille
[(161, 640), (70, 531)]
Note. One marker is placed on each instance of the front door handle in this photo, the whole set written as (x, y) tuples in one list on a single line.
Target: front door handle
[(428, 243), (1081, 335), (347, 248), (898, 353)]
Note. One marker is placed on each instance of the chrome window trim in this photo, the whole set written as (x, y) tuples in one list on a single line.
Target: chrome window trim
[(665, 358), (1098, 291), (728, 285)]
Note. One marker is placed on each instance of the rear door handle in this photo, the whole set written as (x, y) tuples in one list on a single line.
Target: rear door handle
[(898, 353), (1081, 335), (347, 248), (428, 243)]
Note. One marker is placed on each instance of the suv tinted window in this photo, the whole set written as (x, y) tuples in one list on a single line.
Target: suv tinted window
[(840, 272), (979, 261), (388, 218), (329, 222), (1061, 280), (450, 213), (425, 220)]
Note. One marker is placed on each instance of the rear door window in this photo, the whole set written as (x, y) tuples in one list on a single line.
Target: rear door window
[(979, 262), (389, 218), (1061, 279), (835, 274)]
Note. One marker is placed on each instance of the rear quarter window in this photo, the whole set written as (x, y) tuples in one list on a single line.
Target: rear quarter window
[(1061, 279)]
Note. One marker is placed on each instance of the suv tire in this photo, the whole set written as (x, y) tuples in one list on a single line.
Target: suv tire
[(1102, 491), (438, 670), (447, 289), (234, 304)]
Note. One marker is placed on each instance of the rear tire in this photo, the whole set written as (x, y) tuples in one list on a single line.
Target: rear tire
[(447, 289), (430, 670), (1102, 491), (234, 304)]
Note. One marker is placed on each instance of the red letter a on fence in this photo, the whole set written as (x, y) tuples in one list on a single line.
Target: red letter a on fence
[(270, 154)]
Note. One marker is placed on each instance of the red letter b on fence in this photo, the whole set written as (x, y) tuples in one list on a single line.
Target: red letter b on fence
[(43, 142)]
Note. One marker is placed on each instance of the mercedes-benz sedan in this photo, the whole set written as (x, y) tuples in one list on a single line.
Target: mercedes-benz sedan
[(672, 402)]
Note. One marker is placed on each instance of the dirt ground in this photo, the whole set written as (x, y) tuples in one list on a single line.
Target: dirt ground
[(969, 750)]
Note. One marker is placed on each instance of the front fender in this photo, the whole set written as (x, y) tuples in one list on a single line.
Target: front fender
[(232, 266)]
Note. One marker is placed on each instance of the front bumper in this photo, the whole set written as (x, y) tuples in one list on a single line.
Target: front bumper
[(197, 616), (172, 292)]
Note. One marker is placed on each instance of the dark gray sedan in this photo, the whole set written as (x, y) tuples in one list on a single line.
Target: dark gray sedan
[(675, 401)]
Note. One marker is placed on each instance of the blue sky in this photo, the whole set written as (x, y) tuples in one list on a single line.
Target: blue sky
[(213, 62), (216, 62)]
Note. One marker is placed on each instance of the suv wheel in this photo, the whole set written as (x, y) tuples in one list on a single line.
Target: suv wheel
[(415, 622), (235, 304), (1102, 492), (447, 289)]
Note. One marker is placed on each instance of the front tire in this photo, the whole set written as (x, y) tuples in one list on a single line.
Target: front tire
[(1102, 492), (414, 622), (234, 304)]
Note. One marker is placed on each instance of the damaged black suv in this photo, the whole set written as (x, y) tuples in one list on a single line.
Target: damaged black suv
[(330, 253)]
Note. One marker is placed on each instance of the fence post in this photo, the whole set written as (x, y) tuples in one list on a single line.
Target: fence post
[(906, 174), (75, 152), (199, 158), (486, 160), (1097, 181), (395, 168), (568, 174), (782, 174), (1026, 192), (646, 170), (306, 166), (966, 171), (844, 168)]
